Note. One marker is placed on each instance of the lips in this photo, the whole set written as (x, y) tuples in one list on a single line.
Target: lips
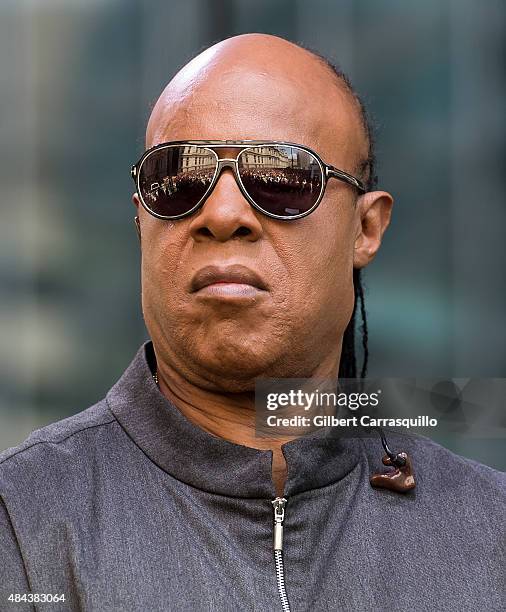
[(210, 275)]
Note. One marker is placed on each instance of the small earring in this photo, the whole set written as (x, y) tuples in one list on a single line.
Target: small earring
[(137, 227)]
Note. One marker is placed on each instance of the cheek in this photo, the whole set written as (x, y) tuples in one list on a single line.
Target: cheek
[(321, 262), (162, 254)]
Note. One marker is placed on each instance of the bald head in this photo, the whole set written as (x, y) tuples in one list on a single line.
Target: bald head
[(258, 86)]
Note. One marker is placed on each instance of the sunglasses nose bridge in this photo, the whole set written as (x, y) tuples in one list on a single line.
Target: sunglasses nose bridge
[(226, 162)]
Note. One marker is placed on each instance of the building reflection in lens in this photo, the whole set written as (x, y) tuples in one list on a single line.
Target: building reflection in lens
[(173, 169), (282, 167)]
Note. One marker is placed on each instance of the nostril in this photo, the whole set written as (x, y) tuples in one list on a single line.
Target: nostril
[(242, 231), (204, 231)]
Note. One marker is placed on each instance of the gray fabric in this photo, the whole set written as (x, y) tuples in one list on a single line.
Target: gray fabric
[(128, 506)]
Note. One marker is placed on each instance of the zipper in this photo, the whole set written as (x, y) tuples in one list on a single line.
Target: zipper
[(279, 515)]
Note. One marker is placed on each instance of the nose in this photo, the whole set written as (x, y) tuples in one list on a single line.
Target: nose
[(226, 213)]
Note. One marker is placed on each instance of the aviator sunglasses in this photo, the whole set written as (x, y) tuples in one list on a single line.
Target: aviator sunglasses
[(282, 180)]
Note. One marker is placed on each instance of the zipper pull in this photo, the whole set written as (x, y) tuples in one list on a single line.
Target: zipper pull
[(279, 515)]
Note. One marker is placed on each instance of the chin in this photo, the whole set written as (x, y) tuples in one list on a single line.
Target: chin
[(233, 366), (242, 362), (235, 372)]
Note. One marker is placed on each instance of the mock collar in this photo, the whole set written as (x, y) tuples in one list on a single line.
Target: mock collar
[(203, 460)]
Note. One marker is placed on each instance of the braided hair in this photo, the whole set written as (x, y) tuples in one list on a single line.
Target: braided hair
[(348, 364)]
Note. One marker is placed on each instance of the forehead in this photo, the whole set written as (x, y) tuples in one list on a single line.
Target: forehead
[(237, 98)]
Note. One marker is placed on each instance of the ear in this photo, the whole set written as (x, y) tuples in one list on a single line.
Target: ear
[(374, 209)]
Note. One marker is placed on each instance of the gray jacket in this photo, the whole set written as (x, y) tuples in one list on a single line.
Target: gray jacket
[(128, 506)]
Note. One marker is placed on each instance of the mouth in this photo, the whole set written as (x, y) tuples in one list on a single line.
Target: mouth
[(233, 281)]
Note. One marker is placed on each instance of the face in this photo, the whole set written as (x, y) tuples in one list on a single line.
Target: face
[(222, 337)]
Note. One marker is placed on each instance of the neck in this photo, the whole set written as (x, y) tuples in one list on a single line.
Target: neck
[(231, 416)]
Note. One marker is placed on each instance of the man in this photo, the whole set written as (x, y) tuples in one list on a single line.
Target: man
[(161, 497)]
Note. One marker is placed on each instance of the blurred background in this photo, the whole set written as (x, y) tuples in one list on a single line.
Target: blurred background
[(77, 81)]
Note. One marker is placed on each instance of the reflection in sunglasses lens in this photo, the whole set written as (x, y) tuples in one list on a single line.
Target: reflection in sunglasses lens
[(174, 179), (283, 180)]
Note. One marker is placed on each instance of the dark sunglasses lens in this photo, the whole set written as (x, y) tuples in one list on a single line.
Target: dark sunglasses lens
[(172, 180), (282, 180)]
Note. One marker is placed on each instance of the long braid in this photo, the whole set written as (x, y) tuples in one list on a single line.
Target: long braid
[(363, 327), (348, 363)]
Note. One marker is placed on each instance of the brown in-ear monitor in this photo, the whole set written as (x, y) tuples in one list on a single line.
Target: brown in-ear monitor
[(401, 478)]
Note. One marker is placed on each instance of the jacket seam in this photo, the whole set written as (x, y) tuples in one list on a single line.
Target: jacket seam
[(22, 450)]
